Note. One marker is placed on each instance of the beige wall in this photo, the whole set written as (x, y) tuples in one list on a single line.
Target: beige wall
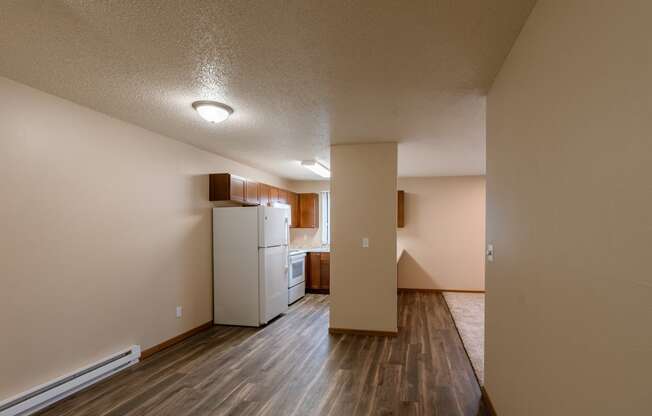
[(363, 191), (105, 229), (307, 237), (569, 203), (442, 243)]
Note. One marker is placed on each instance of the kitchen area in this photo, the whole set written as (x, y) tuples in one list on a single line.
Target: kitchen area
[(305, 245), (310, 245), (314, 264)]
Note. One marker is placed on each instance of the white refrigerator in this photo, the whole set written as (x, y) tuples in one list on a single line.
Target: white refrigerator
[(250, 264)]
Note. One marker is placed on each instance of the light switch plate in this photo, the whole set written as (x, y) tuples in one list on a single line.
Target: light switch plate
[(365, 242), (490, 252), (179, 311)]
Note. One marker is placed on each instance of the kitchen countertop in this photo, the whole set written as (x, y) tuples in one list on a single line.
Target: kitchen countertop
[(310, 250)]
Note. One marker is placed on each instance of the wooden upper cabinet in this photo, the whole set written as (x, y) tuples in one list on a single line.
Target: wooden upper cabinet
[(293, 202), (251, 194), (238, 188), (273, 195), (282, 196), (308, 210), (226, 187), (400, 211), (263, 194)]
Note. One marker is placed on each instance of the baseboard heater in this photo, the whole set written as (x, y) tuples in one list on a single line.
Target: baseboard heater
[(44, 395)]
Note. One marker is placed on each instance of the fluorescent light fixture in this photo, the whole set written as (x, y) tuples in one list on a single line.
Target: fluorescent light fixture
[(317, 167), (212, 110)]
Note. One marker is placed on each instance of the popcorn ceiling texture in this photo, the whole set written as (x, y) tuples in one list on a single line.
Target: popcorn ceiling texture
[(299, 74)]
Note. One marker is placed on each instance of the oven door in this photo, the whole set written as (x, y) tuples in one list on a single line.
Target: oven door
[(297, 269)]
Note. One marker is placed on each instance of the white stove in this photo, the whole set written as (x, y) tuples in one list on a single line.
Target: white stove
[(296, 276)]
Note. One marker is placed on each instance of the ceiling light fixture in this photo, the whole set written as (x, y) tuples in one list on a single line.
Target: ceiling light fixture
[(317, 167), (212, 110)]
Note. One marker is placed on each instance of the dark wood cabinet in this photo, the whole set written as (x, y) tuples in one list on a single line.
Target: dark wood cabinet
[(282, 196), (273, 195), (224, 187), (400, 211), (227, 187), (318, 272), (263, 194), (308, 210), (325, 271), (238, 188), (251, 192), (314, 271), (293, 202)]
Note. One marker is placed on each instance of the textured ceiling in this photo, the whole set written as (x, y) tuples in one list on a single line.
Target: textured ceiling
[(300, 74)]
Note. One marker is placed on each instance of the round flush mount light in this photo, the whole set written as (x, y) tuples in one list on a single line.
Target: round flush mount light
[(212, 110)]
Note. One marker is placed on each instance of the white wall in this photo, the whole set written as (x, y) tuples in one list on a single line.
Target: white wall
[(363, 280), (442, 243), (104, 229), (569, 210)]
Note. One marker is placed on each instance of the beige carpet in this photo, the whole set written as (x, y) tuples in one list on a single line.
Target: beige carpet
[(468, 313)]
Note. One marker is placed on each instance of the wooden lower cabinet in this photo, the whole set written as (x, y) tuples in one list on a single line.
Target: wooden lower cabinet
[(313, 269), (318, 272), (325, 271)]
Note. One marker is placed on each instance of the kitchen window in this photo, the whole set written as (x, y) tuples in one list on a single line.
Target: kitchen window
[(325, 214)]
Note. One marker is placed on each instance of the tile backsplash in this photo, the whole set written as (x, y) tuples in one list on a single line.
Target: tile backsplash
[(305, 238)]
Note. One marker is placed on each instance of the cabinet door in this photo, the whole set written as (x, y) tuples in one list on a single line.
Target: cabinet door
[(314, 266), (237, 189), (293, 201), (308, 210), (263, 194), (273, 195), (325, 271), (252, 192), (219, 183), (282, 196)]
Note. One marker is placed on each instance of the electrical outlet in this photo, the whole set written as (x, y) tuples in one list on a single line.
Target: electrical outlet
[(365, 242), (490, 252), (179, 311)]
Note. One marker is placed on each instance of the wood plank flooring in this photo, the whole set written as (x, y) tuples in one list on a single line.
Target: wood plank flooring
[(294, 367)]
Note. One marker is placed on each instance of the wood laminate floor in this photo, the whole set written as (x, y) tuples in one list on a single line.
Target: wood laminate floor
[(294, 367)]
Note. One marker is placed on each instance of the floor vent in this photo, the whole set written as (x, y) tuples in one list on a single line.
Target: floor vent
[(44, 395)]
